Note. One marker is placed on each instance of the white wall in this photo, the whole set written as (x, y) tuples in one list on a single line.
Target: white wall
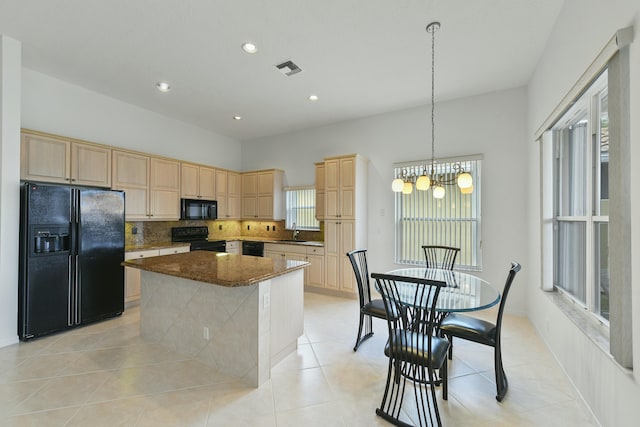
[(582, 29), (54, 106), (10, 63), (493, 125)]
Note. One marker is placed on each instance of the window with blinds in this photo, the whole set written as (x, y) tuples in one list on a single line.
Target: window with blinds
[(454, 220), (301, 209)]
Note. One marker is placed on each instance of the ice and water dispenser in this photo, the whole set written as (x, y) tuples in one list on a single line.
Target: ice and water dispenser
[(51, 240)]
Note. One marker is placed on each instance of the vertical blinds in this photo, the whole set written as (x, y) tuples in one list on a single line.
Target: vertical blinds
[(454, 220), (301, 208)]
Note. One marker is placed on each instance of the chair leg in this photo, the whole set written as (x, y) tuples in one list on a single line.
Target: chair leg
[(501, 377), (355, 348), (444, 376), (366, 326), (450, 347)]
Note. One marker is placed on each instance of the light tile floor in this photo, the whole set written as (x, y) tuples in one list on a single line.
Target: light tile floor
[(106, 375)]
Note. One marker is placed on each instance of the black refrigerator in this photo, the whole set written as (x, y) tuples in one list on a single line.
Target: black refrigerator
[(71, 247)]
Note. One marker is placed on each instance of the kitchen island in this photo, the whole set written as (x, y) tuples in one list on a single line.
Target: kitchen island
[(240, 314)]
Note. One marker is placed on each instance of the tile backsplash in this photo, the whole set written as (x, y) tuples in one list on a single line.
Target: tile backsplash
[(160, 231)]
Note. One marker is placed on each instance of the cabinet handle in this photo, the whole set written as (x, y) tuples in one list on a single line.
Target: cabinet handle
[(141, 256)]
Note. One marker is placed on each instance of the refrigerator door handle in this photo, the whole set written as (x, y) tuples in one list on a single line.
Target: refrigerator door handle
[(70, 308), (78, 296)]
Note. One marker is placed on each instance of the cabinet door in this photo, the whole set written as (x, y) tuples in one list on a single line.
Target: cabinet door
[(131, 174), (221, 194), (332, 255), (90, 165), (233, 195), (165, 189), (347, 241), (132, 275), (45, 159), (189, 181), (331, 188), (265, 183), (265, 207), (250, 195), (129, 169), (347, 188), (314, 273), (320, 197), (207, 183)]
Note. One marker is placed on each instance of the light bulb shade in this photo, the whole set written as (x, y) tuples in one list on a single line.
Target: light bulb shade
[(438, 192), (465, 180), (467, 190), (408, 188), (423, 183), (397, 185)]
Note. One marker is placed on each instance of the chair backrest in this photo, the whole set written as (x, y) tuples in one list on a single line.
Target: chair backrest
[(440, 256), (410, 303), (358, 258), (515, 267)]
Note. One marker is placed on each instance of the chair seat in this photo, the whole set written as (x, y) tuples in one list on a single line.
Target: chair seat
[(469, 328), (409, 346), (374, 308)]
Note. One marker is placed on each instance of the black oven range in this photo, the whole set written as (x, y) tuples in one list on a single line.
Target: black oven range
[(198, 237)]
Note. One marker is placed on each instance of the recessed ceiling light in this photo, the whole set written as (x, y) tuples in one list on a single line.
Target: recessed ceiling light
[(163, 86), (237, 117), (249, 47), (313, 97)]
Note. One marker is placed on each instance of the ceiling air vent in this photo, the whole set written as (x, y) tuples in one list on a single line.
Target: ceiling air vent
[(288, 68)]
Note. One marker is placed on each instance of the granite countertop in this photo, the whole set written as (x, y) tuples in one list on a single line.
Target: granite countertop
[(274, 240), (155, 245), (217, 268)]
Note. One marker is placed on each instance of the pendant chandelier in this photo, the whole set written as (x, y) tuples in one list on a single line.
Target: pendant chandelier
[(426, 176)]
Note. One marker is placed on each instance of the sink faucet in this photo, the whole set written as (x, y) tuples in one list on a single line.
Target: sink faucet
[(295, 232)]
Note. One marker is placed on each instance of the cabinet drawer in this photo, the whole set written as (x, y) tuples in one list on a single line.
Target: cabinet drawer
[(141, 254), (176, 250), (315, 250)]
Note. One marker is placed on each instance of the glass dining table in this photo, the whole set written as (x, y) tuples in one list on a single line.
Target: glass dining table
[(464, 292)]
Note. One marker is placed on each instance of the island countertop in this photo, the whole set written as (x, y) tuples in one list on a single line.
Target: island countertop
[(218, 268)]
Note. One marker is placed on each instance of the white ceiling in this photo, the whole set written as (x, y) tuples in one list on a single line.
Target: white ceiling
[(361, 57)]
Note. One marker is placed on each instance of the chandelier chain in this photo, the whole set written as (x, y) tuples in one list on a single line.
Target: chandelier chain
[(433, 100)]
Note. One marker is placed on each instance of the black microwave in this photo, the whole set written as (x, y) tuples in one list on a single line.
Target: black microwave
[(198, 209)]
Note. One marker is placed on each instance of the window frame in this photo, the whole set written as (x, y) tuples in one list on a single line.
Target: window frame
[(443, 165), (312, 198), (587, 104)]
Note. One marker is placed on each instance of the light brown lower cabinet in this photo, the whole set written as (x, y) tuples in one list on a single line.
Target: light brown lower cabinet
[(132, 275)]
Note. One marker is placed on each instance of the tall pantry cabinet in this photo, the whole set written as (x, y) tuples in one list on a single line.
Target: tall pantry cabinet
[(345, 218)]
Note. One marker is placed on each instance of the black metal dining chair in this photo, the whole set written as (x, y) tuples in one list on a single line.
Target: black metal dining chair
[(368, 308), (440, 256), (483, 332), (415, 353)]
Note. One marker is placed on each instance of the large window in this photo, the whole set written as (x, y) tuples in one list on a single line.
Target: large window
[(581, 200), (453, 220), (301, 209)]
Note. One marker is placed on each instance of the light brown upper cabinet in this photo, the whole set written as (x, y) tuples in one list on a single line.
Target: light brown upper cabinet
[(228, 194), (262, 195), (197, 182), (64, 161), (320, 197), (151, 185), (340, 187)]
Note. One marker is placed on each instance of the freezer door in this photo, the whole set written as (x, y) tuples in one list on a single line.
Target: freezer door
[(44, 292), (100, 233)]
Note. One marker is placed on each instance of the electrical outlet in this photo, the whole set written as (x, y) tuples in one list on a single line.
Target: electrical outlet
[(205, 333), (266, 300), (134, 230), (219, 226), (267, 228), (248, 227), (274, 228)]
